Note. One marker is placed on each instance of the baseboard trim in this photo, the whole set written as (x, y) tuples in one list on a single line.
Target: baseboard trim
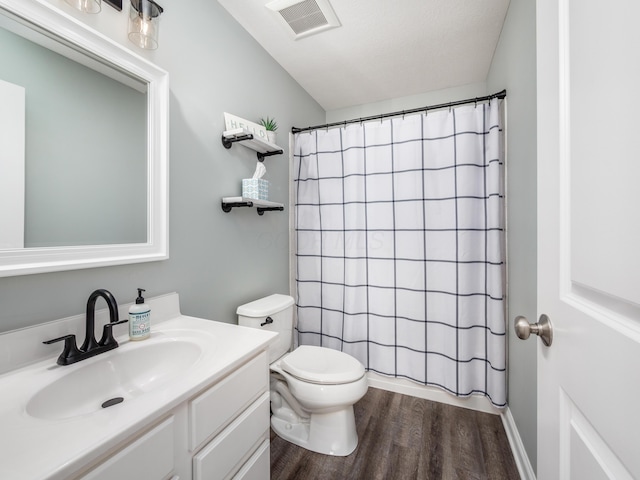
[(517, 447), (479, 403)]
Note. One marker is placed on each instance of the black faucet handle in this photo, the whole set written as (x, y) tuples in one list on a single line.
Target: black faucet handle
[(107, 339), (69, 351)]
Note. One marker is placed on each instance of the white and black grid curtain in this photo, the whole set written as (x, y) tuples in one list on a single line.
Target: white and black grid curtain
[(399, 250)]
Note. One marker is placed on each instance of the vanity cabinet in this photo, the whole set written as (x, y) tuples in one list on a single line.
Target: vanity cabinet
[(220, 433)]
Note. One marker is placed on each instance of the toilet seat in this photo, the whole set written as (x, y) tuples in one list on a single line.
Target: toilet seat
[(322, 365)]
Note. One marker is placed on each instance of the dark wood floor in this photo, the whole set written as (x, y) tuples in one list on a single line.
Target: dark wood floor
[(405, 438)]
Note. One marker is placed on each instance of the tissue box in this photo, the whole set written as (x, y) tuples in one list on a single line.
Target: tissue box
[(257, 188)]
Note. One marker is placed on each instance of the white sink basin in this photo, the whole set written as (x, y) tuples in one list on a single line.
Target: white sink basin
[(119, 375), (57, 411)]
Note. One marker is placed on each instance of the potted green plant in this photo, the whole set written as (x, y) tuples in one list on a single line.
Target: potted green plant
[(271, 126)]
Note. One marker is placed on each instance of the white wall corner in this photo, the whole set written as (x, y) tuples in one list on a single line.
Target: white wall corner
[(517, 447)]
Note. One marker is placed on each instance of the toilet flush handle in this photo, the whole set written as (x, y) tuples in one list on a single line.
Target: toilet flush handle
[(267, 321)]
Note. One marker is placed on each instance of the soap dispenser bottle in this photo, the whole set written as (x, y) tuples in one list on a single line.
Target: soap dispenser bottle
[(139, 318)]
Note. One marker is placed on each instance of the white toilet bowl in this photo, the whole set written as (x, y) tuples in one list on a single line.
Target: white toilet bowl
[(324, 393), (313, 389)]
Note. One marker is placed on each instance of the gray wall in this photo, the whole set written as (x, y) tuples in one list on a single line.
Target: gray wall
[(514, 68), (434, 97), (218, 260)]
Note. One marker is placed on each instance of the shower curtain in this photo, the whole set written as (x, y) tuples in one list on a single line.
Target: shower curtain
[(399, 246)]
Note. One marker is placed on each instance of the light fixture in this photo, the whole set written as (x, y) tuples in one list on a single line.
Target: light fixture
[(86, 6), (144, 18)]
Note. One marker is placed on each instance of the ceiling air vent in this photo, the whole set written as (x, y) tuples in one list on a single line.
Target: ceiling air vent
[(304, 18)]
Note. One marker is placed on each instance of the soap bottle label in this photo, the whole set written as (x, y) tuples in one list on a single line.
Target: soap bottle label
[(139, 325)]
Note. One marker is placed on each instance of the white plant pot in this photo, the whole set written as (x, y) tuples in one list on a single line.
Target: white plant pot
[(271, 136)]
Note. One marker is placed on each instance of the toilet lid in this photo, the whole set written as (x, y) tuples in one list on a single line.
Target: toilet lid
[(322, 365)]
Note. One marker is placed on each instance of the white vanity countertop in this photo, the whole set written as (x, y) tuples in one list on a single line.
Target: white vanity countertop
[(36, 448)]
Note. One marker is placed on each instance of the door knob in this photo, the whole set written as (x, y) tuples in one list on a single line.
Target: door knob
[(543, 329)]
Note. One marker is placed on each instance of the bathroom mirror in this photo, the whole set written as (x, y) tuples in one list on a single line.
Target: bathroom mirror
[(93, 183)]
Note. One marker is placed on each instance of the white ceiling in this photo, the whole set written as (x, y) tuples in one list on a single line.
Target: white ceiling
[(384, 49)]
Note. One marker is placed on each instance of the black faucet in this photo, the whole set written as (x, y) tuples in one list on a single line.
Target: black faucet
[(90, 347)]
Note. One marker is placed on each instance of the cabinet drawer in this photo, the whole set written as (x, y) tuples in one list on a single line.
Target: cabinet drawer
[(149, 457), (258, 467), (215, 408), (223, 455)]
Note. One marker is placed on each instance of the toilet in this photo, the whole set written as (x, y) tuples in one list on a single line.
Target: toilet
[(313, 389)]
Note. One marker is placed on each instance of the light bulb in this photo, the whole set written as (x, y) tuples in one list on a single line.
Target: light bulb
[(86, 6)]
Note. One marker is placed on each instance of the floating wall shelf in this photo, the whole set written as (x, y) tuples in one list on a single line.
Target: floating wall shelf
[(246, 138), (262, 205)]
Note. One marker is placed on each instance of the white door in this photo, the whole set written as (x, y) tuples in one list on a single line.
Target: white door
[(589, 238)]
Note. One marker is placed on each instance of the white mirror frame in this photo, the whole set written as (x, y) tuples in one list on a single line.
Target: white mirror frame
[(52, 259)]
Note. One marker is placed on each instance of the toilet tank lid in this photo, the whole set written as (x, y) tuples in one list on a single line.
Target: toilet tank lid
[(266, 306)]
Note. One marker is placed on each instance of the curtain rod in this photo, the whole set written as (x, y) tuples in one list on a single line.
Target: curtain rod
[(501, 95)]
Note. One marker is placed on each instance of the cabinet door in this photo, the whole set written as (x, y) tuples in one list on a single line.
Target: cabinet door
[(226, 453), (150, 457)]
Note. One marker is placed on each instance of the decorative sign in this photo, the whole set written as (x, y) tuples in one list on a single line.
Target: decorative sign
[(232, 122)]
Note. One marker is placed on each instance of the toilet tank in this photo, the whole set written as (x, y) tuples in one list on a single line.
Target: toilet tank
[(280, 309)]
